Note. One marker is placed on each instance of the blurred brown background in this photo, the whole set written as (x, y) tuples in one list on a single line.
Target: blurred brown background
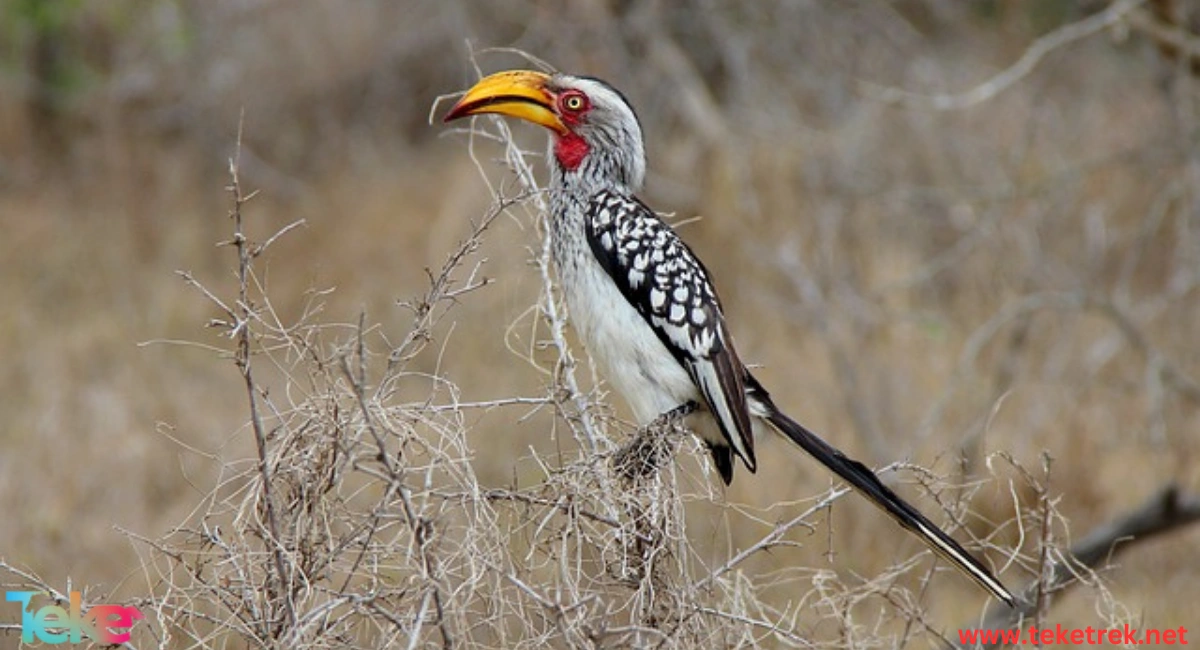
[(1020, 275)]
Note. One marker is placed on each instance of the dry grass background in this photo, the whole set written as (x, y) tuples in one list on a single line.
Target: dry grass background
[(936, 287)]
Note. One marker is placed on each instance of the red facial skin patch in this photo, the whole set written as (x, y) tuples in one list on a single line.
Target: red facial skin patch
[(570, 150)]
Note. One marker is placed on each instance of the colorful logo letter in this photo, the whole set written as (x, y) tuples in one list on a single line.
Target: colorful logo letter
[(53, 625)]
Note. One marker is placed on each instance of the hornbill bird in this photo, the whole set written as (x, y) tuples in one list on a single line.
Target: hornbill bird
[(643, 303)]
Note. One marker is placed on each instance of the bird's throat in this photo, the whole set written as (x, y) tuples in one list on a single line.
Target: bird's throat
[(570, 150)]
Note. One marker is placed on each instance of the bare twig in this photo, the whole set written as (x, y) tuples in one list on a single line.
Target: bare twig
[(774, 538), (1172, 38), (1028, 61), (246, 252)]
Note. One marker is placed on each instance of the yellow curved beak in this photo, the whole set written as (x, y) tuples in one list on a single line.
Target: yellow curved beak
[(516, 93)]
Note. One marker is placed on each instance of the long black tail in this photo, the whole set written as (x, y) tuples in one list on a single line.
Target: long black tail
[(867, 483)]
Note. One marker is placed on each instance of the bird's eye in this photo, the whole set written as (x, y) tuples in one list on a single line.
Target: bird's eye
[(574, 102)]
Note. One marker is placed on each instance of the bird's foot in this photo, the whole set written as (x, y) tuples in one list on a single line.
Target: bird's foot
[(653, 444), (676, 414)]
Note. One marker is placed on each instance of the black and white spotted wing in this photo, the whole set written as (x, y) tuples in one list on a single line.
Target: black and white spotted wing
[(663, 279)]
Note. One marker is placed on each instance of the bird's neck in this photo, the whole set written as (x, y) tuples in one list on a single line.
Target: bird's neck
[(579, 185), (580, 179), (583, 165), (571, 188), (573, 183)]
